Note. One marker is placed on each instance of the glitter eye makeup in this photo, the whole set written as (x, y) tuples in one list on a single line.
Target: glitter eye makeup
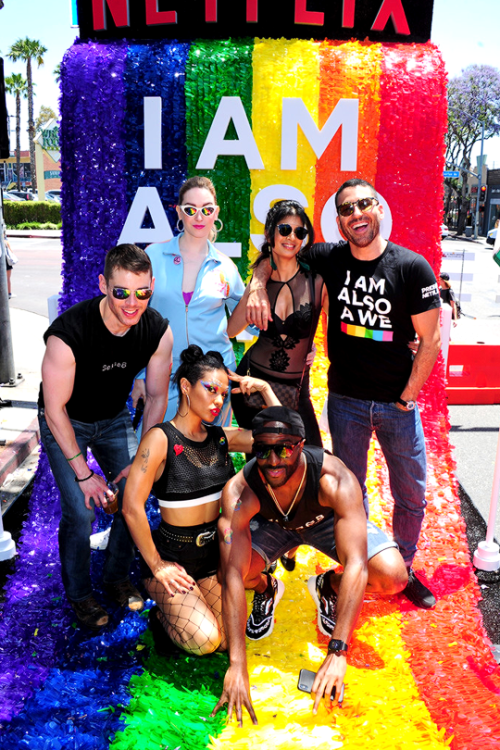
[(213, 386)]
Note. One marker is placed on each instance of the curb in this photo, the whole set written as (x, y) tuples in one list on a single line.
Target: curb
[(20, 448)]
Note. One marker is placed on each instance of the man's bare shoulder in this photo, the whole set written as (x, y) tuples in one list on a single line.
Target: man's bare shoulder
[(337, 483)]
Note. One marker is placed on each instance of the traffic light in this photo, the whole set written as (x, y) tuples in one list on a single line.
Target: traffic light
[(4, 131), (483, 193)]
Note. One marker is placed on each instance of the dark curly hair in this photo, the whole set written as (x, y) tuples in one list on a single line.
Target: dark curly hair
[(275, 216), (194, 364)]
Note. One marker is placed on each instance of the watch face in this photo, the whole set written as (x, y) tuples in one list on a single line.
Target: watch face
[(336, 645), (410, 405)]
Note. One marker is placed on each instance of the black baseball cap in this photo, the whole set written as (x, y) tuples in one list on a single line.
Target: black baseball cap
[(278, 414), (445, 276)]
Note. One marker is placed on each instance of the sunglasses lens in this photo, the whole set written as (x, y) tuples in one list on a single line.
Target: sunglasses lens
[(120, 293), (364, 204), (301, 233), (345, 209), (284, 229), (261, 451), (143, 293), (189, 210), (207, 210)]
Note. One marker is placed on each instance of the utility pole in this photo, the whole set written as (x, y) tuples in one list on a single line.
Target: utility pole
[(479, 182)]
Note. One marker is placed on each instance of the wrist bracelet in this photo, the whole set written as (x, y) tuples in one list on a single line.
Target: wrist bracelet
[(255, 289), (78, 481), (73, 458)]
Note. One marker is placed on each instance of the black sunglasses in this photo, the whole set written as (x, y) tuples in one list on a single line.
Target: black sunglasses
[(282, 450), (119, 292), (364, 205), (285, 230)]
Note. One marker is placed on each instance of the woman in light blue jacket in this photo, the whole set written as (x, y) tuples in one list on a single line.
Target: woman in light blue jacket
[(194, 284)]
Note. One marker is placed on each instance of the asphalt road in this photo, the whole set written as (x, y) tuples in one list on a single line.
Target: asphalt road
[(37, 275)]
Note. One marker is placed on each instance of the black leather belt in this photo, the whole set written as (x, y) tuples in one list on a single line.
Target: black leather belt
[(200, 539)]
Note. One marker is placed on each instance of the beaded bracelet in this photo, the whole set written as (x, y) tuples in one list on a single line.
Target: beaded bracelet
[(73, 458), (78, 481)]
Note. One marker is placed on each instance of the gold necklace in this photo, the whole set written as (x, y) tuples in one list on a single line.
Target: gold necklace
[(270, 490)]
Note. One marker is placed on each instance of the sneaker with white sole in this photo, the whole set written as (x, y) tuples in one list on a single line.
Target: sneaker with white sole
[(100, 539), (260, 624), (326, 603)]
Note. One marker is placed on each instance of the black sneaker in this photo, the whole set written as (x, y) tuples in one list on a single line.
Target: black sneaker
[(271, 567), (326, 603), (417, 593), (288, 562), (126, 595), (260, 624), (90, 613)]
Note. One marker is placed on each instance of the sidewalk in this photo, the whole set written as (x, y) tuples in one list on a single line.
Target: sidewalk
[(19, 423)]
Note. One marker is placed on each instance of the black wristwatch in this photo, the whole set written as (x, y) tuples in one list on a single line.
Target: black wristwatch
[(410, 405), (337, 647)]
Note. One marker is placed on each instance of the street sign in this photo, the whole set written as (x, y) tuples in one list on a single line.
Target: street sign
[(451, 173)]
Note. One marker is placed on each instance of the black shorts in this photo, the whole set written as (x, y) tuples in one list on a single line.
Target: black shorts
[(198, 561)]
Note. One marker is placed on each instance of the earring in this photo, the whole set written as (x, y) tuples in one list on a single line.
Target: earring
[(189, 405), (218, 229), (180, 225), (271, 260)]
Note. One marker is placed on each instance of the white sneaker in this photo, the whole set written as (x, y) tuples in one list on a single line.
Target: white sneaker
[(101, 539)]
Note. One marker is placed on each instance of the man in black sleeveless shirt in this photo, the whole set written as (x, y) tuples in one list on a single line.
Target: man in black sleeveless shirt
[(94, 350), (292, 494)]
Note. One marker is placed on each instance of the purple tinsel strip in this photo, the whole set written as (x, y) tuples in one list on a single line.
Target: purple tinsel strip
[(92, 163), (35, 618)]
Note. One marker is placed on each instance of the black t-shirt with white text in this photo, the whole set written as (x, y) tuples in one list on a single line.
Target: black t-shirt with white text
[(370, 326), (106, 364)]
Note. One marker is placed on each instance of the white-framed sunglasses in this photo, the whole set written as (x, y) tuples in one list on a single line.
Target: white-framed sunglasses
[(191, 211)]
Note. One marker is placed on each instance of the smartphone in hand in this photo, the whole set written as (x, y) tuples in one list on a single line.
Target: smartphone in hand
[(306, 681)]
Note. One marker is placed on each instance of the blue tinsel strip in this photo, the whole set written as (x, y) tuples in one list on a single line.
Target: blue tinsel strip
[(157, 70)]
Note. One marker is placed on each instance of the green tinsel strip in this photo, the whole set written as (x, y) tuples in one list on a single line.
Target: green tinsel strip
[(218, 68), (171, 703)]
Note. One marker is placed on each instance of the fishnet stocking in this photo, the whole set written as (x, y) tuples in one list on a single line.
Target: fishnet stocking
[(193, 620)]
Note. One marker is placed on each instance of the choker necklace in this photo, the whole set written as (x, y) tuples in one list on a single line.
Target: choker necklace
[(276, 502)]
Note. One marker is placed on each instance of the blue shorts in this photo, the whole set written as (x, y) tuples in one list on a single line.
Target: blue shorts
[(271, 541)]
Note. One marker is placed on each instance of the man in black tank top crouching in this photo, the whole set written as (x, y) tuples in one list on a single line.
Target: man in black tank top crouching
[(292, 494)]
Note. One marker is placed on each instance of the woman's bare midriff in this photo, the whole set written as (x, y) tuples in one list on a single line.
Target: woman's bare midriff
[(191, 516)]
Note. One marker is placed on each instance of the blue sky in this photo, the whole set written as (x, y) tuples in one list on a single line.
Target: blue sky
[(466, 32)]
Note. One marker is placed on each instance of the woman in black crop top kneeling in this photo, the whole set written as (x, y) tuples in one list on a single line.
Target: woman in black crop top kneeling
[(186, 463)]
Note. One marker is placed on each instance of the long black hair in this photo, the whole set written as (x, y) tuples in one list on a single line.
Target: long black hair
[(275, 216), (194, 365)]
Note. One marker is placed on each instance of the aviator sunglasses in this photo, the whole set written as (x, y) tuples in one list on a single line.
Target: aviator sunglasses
[(285, 230), (190, 210), (364, 205), (283, 450), (119, 292)]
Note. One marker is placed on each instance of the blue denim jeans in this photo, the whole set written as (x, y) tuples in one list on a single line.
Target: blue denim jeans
[(401, 438), (114, 445)]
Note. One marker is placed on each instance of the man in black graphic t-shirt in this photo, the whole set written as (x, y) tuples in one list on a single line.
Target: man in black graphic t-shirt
[(94, 350), (380, 296)]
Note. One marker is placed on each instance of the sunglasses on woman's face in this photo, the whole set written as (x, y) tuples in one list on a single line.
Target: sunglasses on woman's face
[(119, 292), (191, 211), (364, 205), (282, 450), (286, 230)]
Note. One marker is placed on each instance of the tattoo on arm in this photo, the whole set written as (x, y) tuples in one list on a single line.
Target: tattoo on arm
[(228, 536), (145, 457)]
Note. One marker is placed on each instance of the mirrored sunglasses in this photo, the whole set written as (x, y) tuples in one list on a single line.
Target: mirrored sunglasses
[(364, 205), (119, 292), (283, 450), (190, 210), (285, 230)]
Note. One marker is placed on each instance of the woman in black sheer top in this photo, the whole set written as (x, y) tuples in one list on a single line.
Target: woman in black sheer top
[(281, 354)]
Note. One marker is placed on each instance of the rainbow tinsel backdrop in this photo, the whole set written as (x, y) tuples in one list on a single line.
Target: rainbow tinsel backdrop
[(416, 680)]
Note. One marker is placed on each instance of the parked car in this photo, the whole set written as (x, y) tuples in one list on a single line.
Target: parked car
[(8, 196), (444, 231), (23, 194), (53, 195), (491, 236)]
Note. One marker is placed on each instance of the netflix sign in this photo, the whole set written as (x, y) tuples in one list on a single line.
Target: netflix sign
[(376, 20)]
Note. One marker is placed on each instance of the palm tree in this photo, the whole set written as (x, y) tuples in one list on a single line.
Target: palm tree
[(18, 87), (57, 72), (27, 50)]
